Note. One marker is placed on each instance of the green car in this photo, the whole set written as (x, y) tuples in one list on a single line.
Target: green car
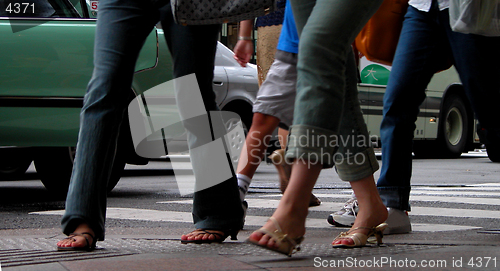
[(46, 51)]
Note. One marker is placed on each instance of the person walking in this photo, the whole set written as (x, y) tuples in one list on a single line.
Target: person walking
[(327, 118), (122, 27), (426, 42)]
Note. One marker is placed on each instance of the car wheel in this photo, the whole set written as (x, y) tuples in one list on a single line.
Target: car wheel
[(244, 110), (244, 119), (55, 164), (453, 132), (14, 162)]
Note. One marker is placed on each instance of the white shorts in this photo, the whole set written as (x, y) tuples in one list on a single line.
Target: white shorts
[(276, 96)]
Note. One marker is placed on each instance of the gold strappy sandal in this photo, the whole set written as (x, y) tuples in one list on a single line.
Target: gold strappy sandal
[(286, 245), (360, 239)]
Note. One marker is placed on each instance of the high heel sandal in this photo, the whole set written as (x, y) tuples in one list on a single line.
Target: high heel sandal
[(219, 237), (286, 245), (360, 239), (284, 171), (89, 247)]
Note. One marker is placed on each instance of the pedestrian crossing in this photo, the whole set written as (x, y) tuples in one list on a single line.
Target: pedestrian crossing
[(474, 196)]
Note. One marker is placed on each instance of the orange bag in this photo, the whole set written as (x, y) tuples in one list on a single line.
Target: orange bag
[(378, 39)]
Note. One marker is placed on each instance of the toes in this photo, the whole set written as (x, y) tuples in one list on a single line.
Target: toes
[(199, 236), (343, 241), (264, 240), (256, 236), (76, 241), (347, 241), (62, 243), (272, 243), (205, 236), (209, 237)]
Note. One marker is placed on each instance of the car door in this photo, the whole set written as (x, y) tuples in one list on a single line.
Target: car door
[(220, 82), (46, 63)]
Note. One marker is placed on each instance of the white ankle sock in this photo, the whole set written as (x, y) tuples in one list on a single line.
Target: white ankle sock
[(243, 183)]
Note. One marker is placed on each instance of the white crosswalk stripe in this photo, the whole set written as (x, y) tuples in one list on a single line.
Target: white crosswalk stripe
[(476, 194)]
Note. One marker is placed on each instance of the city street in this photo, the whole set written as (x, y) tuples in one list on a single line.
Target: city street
[(455, 206)]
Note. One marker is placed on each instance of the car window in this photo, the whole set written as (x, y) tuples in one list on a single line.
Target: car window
[(78, 6), (38, 9)]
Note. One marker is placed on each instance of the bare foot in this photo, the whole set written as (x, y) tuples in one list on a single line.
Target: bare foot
[(84, 238), (204, 235)]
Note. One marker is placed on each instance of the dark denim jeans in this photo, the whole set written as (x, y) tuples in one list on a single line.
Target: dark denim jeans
[(122, 27), (426, 41)]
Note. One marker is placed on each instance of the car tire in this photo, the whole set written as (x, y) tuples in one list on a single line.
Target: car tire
[(14, 162), (55, 164), (244, 111)]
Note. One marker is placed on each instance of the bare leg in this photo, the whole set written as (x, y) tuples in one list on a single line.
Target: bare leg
[(283, 137), (293, 208), (256, 143), (372, 210)]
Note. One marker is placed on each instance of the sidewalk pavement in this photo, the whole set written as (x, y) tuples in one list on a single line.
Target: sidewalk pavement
[(154, 250)]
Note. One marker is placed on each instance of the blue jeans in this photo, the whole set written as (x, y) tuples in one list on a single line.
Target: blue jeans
[(122, 28), (328, 124), (425, 43)]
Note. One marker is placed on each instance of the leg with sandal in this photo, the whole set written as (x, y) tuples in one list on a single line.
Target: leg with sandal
[(122, 27), (327, 121)]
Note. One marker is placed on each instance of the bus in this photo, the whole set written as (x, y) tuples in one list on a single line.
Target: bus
[(445, 126)]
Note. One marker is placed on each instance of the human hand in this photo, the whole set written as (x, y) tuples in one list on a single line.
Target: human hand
[(243, 52)]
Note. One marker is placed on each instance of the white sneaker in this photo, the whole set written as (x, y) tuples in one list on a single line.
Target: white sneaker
[(345, 217), (398, 221)]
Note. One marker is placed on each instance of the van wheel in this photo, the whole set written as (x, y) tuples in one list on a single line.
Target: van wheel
[(453, 132), (453, 127)]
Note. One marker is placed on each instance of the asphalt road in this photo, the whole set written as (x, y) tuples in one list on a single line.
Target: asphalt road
[(462, 194)]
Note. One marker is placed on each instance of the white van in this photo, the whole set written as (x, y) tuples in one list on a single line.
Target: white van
[(445, 126)]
